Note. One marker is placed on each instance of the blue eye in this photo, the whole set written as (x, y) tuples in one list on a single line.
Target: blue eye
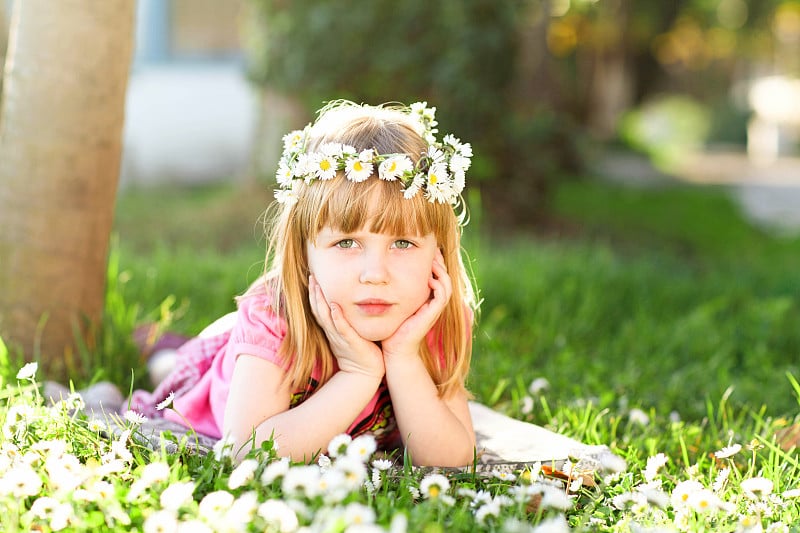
[(345, 243)]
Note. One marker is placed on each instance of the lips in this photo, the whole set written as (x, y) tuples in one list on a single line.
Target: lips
[(373, 307)]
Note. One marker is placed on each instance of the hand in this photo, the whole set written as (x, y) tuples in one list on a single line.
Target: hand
[(353, 353), (409, 336)]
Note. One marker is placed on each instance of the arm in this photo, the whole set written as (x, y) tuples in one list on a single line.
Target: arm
[(436, 431), (259, 403)]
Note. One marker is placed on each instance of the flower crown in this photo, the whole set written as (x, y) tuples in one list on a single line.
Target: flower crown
[(439, 172)]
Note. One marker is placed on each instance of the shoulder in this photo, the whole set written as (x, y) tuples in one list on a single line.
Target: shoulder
[(257, 314)]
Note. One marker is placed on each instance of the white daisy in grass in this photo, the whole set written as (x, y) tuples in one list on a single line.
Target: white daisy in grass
[(339, 444), (301, 481), (324, 462), (193, 525), (382, 464), (757, 487), (275, 470), (728, 451), (333, 485), (394, 167), (654, 464), (223, 448), (135, 418), (278, 515), (20, 481), (433, 485), (486, 511), (683, 490), (414, 492), (166, 402), (242, 511), (356, 514), (214, 505), (176, 495), (154, 473), (555, 498), (242, 474), (721, 479), (28, 371), (538, 385), (704, 501), (354, 470), (162, 521), (503, 475), (362, 447), (357, 170), (791, 493)]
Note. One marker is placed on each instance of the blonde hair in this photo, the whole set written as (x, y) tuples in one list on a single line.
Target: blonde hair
[(345, 205)]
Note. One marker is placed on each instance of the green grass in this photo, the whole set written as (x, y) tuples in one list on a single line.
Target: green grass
[(663, 322)]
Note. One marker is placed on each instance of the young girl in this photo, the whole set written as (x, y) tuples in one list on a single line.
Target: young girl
[(362, 321)]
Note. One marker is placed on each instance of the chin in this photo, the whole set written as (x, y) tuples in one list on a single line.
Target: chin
[(375, 334)]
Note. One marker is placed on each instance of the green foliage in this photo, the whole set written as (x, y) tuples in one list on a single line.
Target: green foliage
[(460, 56)]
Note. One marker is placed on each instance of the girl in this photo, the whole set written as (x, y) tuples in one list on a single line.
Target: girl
[(362, 320)]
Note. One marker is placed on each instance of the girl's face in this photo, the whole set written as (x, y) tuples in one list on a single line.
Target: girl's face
[(379, 280)]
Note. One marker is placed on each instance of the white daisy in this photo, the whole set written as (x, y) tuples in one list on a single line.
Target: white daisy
[(654, 464), (382, 464), (293, 140), (356, 514), (394, 167), (20, 481), (28, 371), (285, 174), (433, 485), (355, 473), (274, 470), (362, 447), (411, 190), (459, 163), (756, 487), (135, 418), (301, 481), (338, 445), (357, 170), (242, 474), (214, 505), (683, 490), (161, 522), (435, 155), (166, 402), (323, 166), (278, 515), (177, 495), (728, 451), (703, 501)]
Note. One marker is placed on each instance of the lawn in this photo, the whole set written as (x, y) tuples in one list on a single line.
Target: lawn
[(656, 321)]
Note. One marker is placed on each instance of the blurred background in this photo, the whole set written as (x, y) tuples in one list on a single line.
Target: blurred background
[(698, 90)]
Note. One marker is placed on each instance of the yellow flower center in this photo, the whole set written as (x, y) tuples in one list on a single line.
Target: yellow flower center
[(357, 166), (432, 179), (434, 491), (325, 164), (393, 166)]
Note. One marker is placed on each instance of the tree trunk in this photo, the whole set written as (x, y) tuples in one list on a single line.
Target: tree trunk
[(61, 125)]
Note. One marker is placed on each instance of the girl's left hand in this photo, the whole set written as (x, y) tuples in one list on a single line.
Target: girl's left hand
[(411, 333)]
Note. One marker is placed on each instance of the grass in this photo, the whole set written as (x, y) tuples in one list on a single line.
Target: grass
[(663, 323)]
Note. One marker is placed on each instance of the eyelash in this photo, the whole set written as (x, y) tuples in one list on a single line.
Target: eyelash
[(406, 244)]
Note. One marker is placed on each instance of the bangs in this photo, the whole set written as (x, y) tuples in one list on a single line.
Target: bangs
[(375, 205)]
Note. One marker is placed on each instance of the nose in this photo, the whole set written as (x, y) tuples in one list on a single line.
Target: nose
[(374, 269)]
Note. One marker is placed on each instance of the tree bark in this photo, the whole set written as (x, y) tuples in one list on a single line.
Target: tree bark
[(61, 123)]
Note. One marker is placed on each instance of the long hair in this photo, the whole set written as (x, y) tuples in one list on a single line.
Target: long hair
[(346, 206)]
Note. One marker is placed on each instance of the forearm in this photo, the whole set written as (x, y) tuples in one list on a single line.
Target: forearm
[(304, 431), (431, 430)]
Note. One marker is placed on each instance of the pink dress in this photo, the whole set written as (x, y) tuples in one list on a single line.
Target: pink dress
[(201, 379)]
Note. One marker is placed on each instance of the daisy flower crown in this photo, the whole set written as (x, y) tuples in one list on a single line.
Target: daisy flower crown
[(438, 174)]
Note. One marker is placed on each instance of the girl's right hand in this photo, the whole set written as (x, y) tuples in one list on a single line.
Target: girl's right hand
[(353, 353)]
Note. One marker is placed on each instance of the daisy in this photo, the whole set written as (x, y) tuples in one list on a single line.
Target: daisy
[(20, 481), (323, 166), (214, 505), (357, 170), (382, 464), (279, 515), (274, 470), (355, 473), (301, 481), (28, 371), (357, 514), (654, 464), (703, 501), (411, 190), (683, 490), (756, 487), (362, 447), (161, 522), (177, 495), (721, 479), (339, 444), (224, 447), (433, 485), (166, 402), (728, 451), (135, 418), (242, 474), (504, 476), (293, 140), (394, 167)]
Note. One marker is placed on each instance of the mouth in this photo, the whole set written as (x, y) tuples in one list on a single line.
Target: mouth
[(373, 307)]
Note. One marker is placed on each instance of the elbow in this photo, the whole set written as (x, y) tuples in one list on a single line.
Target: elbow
[(456, 457)]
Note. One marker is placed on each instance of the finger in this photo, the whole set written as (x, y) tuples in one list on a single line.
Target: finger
[(319, 306), (441, 283)]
